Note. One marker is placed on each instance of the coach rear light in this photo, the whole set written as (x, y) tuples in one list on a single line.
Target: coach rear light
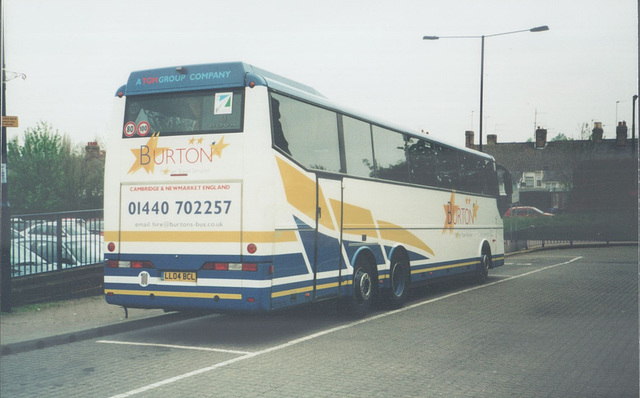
[(250, 267), (252, 248), (141, 264), (208, 266), (230, 267), (129, 264), (221, 266), (111, 246)]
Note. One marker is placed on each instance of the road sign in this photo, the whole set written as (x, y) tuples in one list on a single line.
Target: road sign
[(9, 121)]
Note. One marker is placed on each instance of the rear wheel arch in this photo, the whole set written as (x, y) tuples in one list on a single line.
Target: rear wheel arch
[(364, 290)]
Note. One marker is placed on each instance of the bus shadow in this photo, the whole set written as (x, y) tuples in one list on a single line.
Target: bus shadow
[(436, 288), (253, 332), (248, 332)]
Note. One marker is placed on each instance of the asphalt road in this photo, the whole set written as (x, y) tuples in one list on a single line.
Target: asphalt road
[(559, 323)]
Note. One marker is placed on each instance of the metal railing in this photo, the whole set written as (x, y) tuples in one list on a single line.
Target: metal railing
[(49, 242)]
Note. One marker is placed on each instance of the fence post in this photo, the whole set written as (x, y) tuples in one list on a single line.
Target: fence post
[(59, 241)]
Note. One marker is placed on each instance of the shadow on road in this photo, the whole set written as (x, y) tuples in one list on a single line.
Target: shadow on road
[(250, 332)]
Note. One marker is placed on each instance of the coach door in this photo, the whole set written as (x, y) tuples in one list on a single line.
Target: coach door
[(327, 261)]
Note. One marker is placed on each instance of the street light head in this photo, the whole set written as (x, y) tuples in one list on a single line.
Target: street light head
[(539, 28), (430, 38)]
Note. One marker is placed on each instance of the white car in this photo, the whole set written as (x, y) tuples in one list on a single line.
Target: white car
[(74, 253), (25, 262), (71, 231)]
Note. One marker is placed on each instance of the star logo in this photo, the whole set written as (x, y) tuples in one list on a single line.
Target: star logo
[(464, 214), (146, 155), (216, 148), (450, 210)]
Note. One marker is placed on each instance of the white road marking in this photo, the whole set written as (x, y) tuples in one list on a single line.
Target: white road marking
[(181, 347), (328, 331)]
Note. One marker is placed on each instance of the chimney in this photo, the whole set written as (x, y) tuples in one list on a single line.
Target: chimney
[(468, 139), (492, 139), (92, 150), (597, 132), (621, 134), (541, 138)]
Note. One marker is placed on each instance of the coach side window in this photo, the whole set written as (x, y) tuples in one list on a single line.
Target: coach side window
[(471, 173), (446, 167), (390, 156), (490, 179), (358, 148), (422, 162), (306, 132)]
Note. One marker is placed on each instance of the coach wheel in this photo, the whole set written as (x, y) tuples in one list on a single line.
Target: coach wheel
[(399, 280), (364, 287), (485, 264)]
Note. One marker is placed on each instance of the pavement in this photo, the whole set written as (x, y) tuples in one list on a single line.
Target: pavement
[(44, 325)]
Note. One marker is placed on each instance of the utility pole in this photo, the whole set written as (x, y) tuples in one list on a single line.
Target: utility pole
[(5, 216), (633, 126), (5, 236)]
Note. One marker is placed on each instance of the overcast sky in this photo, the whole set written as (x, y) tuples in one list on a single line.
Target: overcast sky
[(368, 55)]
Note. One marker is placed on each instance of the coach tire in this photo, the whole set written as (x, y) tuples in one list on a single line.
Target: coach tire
[(399, 281), (364, 287), (485, 264)]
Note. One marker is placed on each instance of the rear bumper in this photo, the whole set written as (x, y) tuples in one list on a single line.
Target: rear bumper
[(208, 298)]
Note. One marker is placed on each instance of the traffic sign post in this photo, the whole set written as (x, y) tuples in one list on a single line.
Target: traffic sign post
[(5, 223), (5, 220)]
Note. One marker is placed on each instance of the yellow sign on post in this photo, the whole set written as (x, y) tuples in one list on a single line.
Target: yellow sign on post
[(9, 121)]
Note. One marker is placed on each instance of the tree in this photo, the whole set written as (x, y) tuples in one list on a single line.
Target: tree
[(47, 174), (33, 169), (585, 132), (561, 137)]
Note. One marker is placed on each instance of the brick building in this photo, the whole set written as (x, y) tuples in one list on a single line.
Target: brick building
[(572, 175)]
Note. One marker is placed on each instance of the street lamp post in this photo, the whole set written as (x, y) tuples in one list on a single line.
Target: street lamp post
[(482, 37)]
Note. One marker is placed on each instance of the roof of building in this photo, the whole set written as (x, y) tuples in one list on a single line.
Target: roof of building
[(555, 156)]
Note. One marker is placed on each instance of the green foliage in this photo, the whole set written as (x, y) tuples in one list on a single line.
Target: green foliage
[(47, 174), (561, 137), (619, 225)]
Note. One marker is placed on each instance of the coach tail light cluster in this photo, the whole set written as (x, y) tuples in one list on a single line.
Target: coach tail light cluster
[(248, 267), (129, 264)]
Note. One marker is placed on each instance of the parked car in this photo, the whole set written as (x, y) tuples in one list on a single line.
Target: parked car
[(70, 231), (15, 234), (25, 262), (78, 221), (86, 252), (96, 226), (526, 211), (74, 253), (20, 225)]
